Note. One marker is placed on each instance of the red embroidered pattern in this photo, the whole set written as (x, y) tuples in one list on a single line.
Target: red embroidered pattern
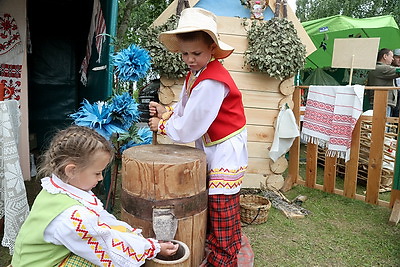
[(80, 229), (225, 178), (9, 35), (162, 127), (104, 258), (130, 252), (10, 75)]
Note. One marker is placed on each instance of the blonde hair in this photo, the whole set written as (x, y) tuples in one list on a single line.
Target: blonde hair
[(73, 145)]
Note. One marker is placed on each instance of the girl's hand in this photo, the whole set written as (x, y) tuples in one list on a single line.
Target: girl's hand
[(168, 248), (156, 109), (153, 124)]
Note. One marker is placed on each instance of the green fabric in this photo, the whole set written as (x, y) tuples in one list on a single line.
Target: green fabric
[(339, 26), (30, 247), (320, 77), (74, 261)]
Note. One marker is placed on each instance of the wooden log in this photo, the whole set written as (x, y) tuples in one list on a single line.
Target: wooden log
[(167, 82), (166, 95), (279, 166), (286, 87), (286, 102), (167, 175), (274, 182)]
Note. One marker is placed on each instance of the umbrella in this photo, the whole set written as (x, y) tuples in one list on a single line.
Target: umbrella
[(324, 31)]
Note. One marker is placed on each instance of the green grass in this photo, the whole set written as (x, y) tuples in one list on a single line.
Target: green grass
[(339, 232)]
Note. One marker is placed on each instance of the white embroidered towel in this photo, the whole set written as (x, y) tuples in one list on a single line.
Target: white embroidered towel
[(330, 116)]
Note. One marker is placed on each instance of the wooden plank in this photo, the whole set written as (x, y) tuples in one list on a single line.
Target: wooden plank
[(395, 215), (376, 151), (246, 81), (239, 42), (200, 235), (255, 81), (251, 98), (256, 99), (350, 178), (260, 116), (235, 62), (294, 152), (394, 195), (258, 150), (259, 166), (258, 133), (253, 180), (231, 25), (330, 174), (184, 233), (311, 165)]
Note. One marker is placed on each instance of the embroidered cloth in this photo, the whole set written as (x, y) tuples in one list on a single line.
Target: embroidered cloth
[(11, 56), (330, 116), (13, 201)]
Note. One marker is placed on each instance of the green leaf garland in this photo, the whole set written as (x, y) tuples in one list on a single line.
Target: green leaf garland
[(274, 48)]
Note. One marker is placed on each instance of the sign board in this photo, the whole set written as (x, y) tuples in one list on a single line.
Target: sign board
[(355, 53)]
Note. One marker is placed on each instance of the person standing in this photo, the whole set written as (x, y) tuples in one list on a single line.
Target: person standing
[(383, 75), (210, 113), (396, 64)]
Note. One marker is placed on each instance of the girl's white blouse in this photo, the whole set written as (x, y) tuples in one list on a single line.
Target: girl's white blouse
[(91, 232)]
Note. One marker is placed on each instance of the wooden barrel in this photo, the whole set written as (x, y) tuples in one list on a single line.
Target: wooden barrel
[(167, 175)]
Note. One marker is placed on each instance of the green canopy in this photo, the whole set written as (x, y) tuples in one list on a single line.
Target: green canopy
[(324, 31)]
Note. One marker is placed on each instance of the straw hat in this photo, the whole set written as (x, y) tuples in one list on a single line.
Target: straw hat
[(196, 19)]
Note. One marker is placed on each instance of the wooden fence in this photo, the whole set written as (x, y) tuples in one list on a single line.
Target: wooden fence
[(375, 160)]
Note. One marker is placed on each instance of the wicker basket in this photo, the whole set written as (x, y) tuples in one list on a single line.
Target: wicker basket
[(254, 209)]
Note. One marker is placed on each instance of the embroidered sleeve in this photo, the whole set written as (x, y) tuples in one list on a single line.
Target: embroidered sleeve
[(161, 127), (103, 240)]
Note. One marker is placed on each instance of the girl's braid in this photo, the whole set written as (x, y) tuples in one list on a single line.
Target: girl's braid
[(75, 144)]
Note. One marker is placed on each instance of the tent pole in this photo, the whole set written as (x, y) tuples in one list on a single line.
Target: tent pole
[(351, 69)]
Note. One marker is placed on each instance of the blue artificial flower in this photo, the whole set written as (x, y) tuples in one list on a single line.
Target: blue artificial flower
[(132, 63), (98, 117), (125, 109), (144, 135)]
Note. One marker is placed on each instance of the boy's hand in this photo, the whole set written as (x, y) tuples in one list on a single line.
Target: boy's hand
[(156, 109), (153, 124), (168, 248)]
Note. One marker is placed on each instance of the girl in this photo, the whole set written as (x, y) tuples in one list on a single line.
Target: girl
[(67, 225), (210, 112)]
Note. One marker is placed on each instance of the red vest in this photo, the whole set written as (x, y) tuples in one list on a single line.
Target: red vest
[(230, 119)]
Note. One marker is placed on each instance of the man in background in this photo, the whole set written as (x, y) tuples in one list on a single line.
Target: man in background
[(396, 64), (383, 75)]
